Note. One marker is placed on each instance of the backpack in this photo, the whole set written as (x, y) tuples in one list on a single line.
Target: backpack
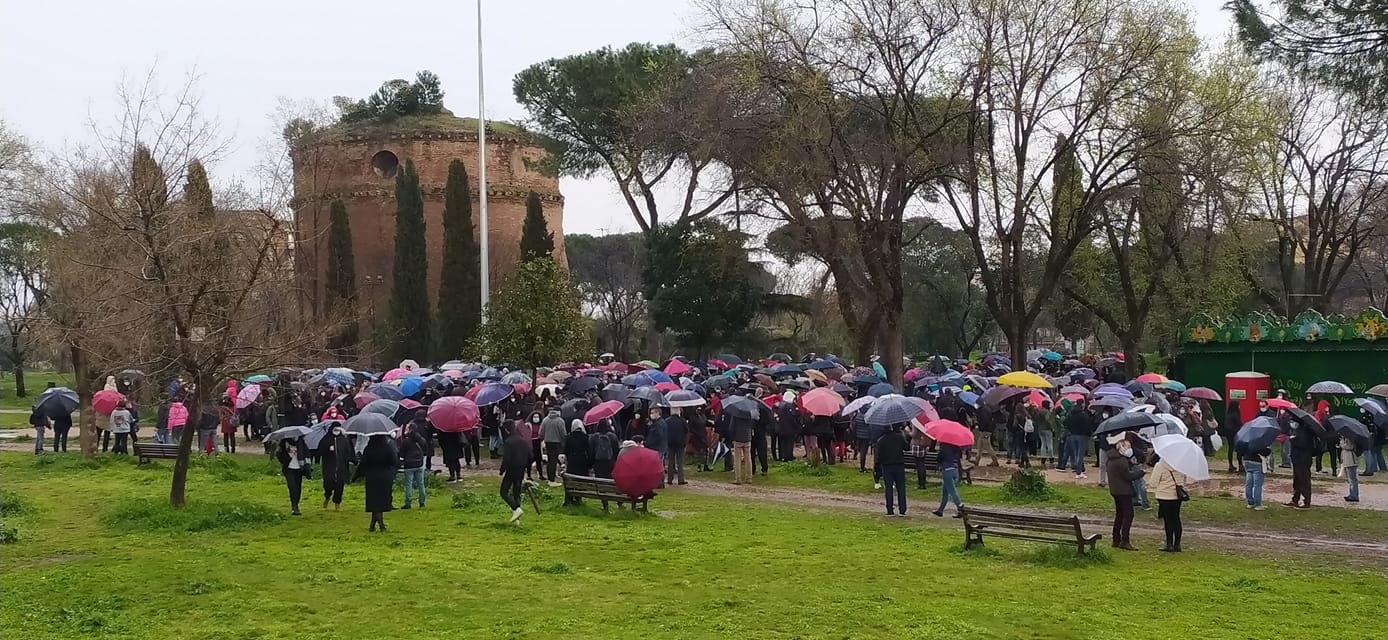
[(603, 452), (1028, 426)]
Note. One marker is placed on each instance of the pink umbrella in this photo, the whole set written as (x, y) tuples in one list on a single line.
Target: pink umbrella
[(178, 414), (949, 432), (521, 388), (396, 373), (603, 411), (718, 364), (821, 402), (638, 471), (1202, 393), (247, 396), (409, 404), (454, 413), (362, 399), (911, 374), (927, 409), (473, 391), (666, 386), (1036, 398), (677, 368), (454, 373), (104, 402)]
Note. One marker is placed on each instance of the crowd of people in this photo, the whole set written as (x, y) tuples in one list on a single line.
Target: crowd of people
[(739, 416)]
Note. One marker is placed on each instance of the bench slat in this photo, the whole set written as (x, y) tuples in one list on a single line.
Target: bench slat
[(1007, 516)]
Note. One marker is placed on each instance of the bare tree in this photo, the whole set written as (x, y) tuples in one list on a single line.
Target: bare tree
[(195, 290)]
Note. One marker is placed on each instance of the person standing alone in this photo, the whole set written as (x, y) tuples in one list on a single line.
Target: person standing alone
[(515, 459), (891, 457)]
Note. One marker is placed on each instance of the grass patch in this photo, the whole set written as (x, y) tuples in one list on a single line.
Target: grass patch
[(9, 535), (11, 504), (1028, 485), (1057, 557), (722, 569), (152, 514), (34, 382)]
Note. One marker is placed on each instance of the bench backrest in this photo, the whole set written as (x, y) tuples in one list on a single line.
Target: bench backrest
[(1022, 521), (589, 483)]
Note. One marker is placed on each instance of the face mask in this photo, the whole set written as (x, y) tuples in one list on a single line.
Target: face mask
[(1128, 453), (534, 421)]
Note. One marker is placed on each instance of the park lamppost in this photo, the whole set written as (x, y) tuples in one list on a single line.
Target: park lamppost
[(485, 277)]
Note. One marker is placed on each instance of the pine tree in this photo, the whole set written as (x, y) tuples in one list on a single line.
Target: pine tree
[(410, 319), (536, 239), (342, 274), (460, 284)]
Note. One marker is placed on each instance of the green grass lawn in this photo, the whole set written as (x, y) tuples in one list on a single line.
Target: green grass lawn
[(1213, 510), (34, 383), (100, 555)]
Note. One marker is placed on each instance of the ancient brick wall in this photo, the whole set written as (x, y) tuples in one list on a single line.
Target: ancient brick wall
[(342, 167)]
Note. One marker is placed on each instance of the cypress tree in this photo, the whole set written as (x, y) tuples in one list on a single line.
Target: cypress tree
[(460, 281), (536, 239), (409, 302), (342, 274), (197, 191)]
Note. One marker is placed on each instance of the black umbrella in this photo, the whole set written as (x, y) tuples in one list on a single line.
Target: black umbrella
[(616, 391), (1002, 393), (1347, 426), (730, 359), (1256, 434), (1128, 421), (780, 357), (286, 433), (1308, 420), (574, 409), (369, 424), (317, 432), (56, 401), (648, 394), (741, 407), (130, 374), (583, 384)]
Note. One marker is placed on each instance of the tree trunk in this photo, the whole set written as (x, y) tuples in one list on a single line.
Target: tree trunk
[(178, 488), (86, 419), (1131, 356), (889, 339), (19, 390)]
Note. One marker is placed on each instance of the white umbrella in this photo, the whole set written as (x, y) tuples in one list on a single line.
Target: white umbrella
[(857, 405), (1183, 455)]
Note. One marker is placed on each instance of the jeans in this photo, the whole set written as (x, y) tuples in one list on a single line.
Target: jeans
[(674, 465), (552, 451), (949, 488), (1078, 447), (1140, 493), (1253, 484), (894, 477), (1286, 449), (414, 478), (1373, 460), (119, 446), (1170, 513), (38, 438), (1122, 520), (742, 462), (1063, 462), (60, 439), (161, 435), (1352, 472)]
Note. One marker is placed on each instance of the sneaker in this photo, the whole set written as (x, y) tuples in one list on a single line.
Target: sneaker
[(407, 506), (1249, 506), (516, 515), (957, 515), (1290, 504), (296, 513), (891, 515), (1260, 508), (1303, 506), (938, 514), (1349, 499), (877, 486), (1083, 476)]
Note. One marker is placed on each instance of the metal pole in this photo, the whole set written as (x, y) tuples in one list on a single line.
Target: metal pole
[(482, 168)]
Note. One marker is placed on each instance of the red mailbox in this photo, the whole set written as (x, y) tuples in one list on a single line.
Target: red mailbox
[(1247, 388)]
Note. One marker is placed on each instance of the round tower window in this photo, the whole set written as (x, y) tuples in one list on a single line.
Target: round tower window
[(385, 164)]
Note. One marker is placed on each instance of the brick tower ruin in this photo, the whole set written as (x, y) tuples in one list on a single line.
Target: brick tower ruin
[(357, 163)]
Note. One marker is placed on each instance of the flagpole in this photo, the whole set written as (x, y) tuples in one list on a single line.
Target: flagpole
[(482, 169)]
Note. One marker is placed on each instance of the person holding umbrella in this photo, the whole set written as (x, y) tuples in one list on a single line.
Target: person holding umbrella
[(294, 466), (1122, 471), (379, 461), (1303, 441), (515, 462), (890, 455), (335, 453)]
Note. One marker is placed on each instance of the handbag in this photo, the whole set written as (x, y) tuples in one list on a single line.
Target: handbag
[(1181, 493)]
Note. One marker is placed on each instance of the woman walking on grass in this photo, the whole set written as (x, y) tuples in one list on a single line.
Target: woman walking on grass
[(294, 467), (379, 462)]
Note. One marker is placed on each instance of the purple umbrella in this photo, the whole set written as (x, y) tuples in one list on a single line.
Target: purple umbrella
[(493, 393), (1115, 401), (1113, 389)]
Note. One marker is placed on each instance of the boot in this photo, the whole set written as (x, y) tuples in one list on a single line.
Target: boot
[(325, 504)]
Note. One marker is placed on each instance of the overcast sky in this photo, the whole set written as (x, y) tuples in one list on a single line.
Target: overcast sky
[(62, 59)]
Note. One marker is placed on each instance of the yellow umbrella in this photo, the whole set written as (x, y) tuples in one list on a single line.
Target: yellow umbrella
[(1025, 379)]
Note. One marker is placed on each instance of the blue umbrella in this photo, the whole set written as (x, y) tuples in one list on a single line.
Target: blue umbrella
[(696, 388), (317, 432), (821, 365), (387, 408), (490, 373), (656, 376), (970, 398), (386, 391), (495, 392), (867, 380), (410, 386), (881, 389), (1256, 434), (56, 402), (880, 370), (892, 409), (637, 380), (1052, 356)]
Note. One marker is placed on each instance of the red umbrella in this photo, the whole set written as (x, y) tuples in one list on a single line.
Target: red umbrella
[(822, 402), (949, 432), (105, 401), (521, 388), (638, 471), (1151, 377), (1202, 393), (1036, 398), (362, 399), (409, 404), (666, 386), (677, 368), (603, 411), (718, 364), (454, 413), (1279, 403)]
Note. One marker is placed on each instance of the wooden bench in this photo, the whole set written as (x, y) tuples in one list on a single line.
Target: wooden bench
[(578, 487), (932, 465), (1025, 526), (145, 451)]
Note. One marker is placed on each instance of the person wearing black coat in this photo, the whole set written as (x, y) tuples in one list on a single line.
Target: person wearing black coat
[(453, 445), (335, 453), (294, 466), (1233, 419), (698, 436), (576, 452), (676, 437), (891, 457), (379, 461), (515, 459), (787, 430), (1303, 441)]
